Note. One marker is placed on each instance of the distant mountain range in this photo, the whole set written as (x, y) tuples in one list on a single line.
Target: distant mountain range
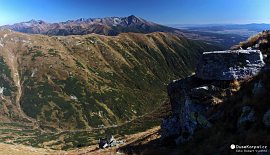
[(224, 36), (105, 26), (239, 29)]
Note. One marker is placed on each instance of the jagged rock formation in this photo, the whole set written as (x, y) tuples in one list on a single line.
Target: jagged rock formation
[(229, 65), (193, 99)]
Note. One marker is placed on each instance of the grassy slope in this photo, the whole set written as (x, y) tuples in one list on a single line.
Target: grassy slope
[(112, 79), (226, 130), (7, 108)]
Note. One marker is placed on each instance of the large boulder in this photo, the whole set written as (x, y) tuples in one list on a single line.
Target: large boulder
[(229, 65)]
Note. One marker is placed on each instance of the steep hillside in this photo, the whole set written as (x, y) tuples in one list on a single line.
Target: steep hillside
[(105, 26), (84, 82), (245, 118), (222, 109)]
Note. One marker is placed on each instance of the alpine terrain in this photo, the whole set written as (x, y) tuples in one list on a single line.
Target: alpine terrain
[(64, 92)]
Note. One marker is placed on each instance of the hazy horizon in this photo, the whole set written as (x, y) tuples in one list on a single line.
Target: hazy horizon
[(195, 12)]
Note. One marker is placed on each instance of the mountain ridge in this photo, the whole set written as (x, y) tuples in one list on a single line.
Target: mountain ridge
[(93, 72), (105, 26), (113, 26)]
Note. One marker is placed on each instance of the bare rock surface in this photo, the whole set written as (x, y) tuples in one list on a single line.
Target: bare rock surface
[(230, 64)]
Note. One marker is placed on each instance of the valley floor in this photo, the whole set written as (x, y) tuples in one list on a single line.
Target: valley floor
[(17, 149), (134, 139)]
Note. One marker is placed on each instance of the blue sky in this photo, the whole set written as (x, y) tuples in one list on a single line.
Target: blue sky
[(160, 11)]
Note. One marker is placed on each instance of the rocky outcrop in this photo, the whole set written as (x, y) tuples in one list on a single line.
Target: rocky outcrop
[(229, 65), (190, 101), (193, 99)]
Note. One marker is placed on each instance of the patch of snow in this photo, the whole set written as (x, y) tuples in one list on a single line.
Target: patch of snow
[(27, 24), (116, 21)]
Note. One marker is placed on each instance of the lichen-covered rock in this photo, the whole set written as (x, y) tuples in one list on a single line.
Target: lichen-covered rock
[(188, 113), (229, 65), (183, 124), (266, 118)]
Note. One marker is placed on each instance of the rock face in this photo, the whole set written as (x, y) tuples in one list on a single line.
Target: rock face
[(229, 65), (189, 107), (193, 99)]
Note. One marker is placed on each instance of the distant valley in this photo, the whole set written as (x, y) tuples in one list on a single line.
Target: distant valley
[(227, 34), (245, 30)]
